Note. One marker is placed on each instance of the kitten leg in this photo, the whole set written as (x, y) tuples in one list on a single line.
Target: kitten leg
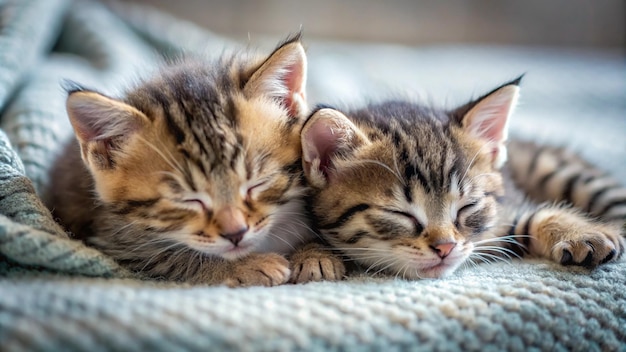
[(257, 269), (314, 262), (566, 236)]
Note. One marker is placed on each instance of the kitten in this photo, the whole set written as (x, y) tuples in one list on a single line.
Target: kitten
[(416, 191), (194, 175)]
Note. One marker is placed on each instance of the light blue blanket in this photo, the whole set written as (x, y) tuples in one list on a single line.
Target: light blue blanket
[(56, 294)]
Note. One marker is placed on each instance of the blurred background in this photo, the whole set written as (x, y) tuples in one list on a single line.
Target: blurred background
[(563, 23)]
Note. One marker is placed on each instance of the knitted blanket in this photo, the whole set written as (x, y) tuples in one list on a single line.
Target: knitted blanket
[(57, 294)]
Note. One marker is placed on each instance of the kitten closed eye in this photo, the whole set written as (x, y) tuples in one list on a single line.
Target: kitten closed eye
[(418, 225)]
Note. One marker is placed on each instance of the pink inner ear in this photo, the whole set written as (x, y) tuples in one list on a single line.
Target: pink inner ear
[(492, 126), (321, 144), (293, 81), (488, 118), (95, 117)]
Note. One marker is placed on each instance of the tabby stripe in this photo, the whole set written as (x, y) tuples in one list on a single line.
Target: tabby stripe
[(395, 136), (613, 203), (170, 228), (356, 237), (513, 227), (174, 216), (412, 170), (165, 104), (535, 159), (547, 177), (590, 178), (236, 152), (347, 215), (200, 166), (520, 247), (407, 194), (597, 195), (293, 168), (568, 189), (276, 194), (455, 169), (475, 221), (173, 127), (526, 229), (615, 217), (194, 131), (197, 162), (440, 178), (499, 199), (131, 205)]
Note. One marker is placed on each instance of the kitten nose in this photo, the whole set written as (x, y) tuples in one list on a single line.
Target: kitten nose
[(231, 223), (235, 237), (443, 249)]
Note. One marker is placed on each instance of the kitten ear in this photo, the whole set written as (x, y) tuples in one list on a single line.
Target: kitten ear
[(326, 135), (283, 77), (487, 118), (100, 123)]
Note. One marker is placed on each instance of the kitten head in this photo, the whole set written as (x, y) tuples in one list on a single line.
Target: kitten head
[(205, 155), (404, 188)]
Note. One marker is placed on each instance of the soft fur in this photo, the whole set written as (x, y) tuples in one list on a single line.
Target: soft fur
[(194, 175), (416, 191)]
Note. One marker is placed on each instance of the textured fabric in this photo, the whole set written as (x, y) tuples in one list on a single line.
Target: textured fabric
[(57, 294)]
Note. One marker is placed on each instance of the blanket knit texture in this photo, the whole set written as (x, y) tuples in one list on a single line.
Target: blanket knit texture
[(57, 294)]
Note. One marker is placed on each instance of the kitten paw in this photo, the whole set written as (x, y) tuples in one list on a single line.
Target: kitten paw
[(589, 246), (259, 269), (315, 263)]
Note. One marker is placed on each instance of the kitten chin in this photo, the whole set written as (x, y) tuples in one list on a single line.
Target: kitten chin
[(194, 174)]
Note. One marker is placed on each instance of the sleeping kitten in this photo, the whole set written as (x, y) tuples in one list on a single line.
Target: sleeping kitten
[(416, 192), (194, 175)]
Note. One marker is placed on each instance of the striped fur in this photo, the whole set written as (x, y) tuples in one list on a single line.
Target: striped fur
[(553, 174), (417, 192), (194, 175)]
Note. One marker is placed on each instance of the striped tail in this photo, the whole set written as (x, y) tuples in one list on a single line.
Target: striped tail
[(555, 174)]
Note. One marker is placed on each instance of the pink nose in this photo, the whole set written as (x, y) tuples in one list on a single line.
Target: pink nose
[(232, 224), (443, 249)]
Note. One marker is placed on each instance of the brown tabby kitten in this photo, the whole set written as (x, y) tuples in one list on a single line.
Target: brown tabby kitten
[(194, 175), (416, 191)]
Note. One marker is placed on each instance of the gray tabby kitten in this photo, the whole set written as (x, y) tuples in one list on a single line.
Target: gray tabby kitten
[(416, 191), (194, 175)]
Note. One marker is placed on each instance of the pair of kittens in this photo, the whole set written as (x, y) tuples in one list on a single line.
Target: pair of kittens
[(215, 173)]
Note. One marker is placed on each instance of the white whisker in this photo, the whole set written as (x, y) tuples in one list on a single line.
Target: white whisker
[(171, 161), (386, 167), (501, 250), (471, 163)]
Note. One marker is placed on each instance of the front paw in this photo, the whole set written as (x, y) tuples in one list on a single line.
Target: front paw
[(589, 246), (259, 269), (313, 262)]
